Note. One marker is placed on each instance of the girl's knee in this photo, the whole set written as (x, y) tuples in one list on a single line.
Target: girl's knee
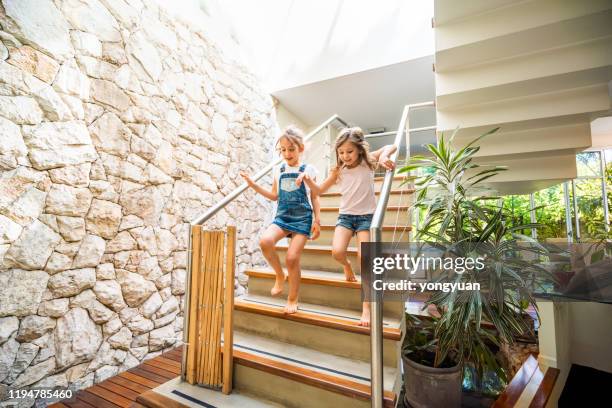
[(338, 254), (266, 243), (292, 259)]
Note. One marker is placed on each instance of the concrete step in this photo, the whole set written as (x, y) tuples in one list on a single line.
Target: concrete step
[(395, 215), (177, 391), (327, 329), (319, 257), (321, 288), (402, 196), (303, 377)]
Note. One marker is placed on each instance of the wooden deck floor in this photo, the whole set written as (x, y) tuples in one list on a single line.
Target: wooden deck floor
[(123, 389)]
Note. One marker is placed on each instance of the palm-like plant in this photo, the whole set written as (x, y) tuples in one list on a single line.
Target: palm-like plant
[(458, 223)]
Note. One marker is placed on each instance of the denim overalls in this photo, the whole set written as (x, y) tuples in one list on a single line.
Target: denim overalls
[(294, 212)]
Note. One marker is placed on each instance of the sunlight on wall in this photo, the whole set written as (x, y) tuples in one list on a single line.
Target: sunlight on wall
[(289, 43)]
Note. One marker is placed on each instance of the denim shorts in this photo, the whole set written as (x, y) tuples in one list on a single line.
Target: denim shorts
[(355, 222)]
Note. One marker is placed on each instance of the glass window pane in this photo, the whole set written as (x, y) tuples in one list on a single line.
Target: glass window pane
[(590, 207), (588, 164), (550, 212)]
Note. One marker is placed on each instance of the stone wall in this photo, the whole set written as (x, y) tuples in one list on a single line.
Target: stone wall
[(118, 125)]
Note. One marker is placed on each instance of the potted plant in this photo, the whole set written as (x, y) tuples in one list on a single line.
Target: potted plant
[(458, 222)]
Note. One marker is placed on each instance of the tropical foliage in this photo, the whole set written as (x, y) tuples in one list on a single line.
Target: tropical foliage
[(461, 224)]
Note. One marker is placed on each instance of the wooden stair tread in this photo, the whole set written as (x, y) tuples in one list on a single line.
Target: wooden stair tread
[(312, 277), (394, 192), (314, 315), (316, 248), (389, 208), (384, 227), (304, 356), (529, 375), (153, 399), (396, 177), (309, 376)]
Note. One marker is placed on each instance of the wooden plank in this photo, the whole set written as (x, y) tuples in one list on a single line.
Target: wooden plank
[(218, 314), (57, 405), (228, 311), (383, 228), (137, 405), (517, 385), (74, 402), (173, 352), (168, 361), (119, 389), (389, 208), (110, 396), (149, 375), (132, 385), (208, 251), (393, 192), (311, 377), (193, 304), (316, 249), (315, 319), (178, 357), (139, 379), (540, 399), (211, 271), (159, 364), (152, 399), (95, 400), (159, 371)]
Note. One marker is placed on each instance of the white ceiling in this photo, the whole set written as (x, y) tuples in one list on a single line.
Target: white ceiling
[(369, 99), (287, 43)]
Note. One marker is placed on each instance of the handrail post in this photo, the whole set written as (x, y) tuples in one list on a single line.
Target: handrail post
[(376, 319)]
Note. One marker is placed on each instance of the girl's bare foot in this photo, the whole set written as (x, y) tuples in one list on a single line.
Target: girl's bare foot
[(348, 273), (365, 317), (277, 289), (291, 307)]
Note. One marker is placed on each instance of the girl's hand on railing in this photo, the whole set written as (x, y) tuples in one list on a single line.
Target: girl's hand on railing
[(386, 163), (247, 178)]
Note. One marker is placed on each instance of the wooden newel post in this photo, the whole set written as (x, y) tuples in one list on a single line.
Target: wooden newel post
[(228, 311), (211, 303)]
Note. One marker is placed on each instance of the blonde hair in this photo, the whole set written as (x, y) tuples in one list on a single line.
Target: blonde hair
[(293, 135), (356, 137)]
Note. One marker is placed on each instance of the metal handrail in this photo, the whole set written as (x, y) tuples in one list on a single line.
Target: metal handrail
[(211, 212), (376, 321), (239, 190)]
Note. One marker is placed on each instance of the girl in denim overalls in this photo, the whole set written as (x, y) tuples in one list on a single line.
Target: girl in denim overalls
[(297, 213), (354, 174)]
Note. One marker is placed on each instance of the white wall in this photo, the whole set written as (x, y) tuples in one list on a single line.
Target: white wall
[(591, 335)]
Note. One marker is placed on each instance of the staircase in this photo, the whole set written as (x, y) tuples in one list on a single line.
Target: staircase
[(319, 356)]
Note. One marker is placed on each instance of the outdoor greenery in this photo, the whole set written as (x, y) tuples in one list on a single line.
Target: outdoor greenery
[(461, 224), (550, 202)]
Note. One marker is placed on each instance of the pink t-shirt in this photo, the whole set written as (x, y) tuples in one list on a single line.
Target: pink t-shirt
[(357, 189)]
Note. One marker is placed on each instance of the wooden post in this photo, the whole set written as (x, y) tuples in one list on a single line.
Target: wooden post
[(193, 305), (228, 310)]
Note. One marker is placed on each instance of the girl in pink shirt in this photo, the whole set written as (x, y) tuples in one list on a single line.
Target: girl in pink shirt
[(354, 174)]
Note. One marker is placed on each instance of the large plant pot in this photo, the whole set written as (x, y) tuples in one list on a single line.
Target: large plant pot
[(429, 387)]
